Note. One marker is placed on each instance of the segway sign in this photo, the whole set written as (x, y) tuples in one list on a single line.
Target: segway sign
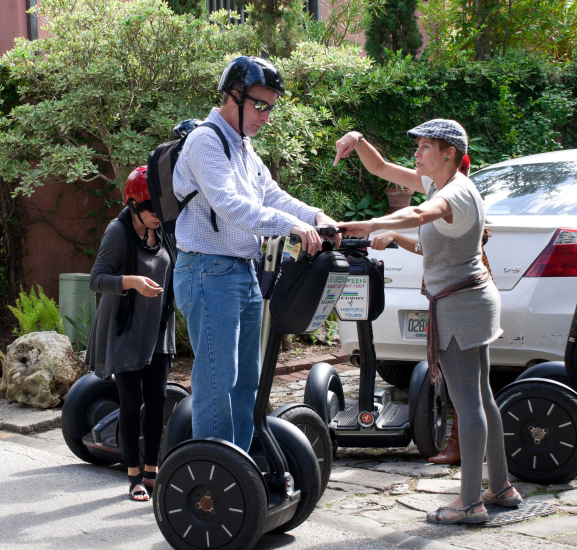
[(331, 293), (353, 303)]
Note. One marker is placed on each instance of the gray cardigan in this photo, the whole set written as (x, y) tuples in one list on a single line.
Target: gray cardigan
[(106, 352)]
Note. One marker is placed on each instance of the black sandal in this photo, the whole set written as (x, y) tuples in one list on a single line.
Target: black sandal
[(134, 481), (149, 475)]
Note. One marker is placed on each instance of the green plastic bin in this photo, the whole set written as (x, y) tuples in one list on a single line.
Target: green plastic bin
[(74, 297)]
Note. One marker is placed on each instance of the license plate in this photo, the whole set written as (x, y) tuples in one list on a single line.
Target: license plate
[(415, 325)]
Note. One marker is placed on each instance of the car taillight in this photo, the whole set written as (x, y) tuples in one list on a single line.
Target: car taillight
[(559, 259)]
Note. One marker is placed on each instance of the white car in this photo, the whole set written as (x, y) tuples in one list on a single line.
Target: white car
[(531, 204)]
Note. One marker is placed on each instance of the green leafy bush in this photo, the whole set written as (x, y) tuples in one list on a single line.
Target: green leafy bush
[(36, 313)]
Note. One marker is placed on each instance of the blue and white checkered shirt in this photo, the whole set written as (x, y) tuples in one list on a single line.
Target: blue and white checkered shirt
[(248, 203)]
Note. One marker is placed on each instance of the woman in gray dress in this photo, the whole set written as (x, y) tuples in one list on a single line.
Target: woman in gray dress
[(464, 304), (132, 336)]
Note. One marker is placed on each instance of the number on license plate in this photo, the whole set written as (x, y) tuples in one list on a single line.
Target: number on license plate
[(415, 326)]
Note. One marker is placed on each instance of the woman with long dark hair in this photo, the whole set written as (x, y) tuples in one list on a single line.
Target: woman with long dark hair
[(132, 336)]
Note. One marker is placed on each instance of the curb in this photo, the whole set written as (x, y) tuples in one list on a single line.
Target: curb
[(37, 427)]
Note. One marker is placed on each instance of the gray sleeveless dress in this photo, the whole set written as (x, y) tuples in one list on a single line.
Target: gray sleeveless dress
[(470, 316)]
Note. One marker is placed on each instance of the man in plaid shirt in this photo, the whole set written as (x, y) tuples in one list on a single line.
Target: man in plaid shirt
[(218, 234)]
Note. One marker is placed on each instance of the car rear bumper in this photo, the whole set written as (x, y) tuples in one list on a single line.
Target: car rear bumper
[(535, 318)]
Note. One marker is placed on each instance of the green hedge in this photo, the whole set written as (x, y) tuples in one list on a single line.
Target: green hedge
[(509, 107)]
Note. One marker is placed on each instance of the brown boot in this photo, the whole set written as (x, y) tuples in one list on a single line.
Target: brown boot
[(452, 452)]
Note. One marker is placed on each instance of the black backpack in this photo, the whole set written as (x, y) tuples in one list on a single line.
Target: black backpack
[(161, 163)]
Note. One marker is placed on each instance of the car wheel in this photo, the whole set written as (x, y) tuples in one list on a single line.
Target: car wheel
[(396, 373), (540, 429), (429, 424)]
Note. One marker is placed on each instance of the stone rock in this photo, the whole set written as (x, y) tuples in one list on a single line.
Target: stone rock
[(394, 515), (439, 486), (425, 502), (39, 369), (413, 469), (351, 489), (559, 487), (568, 498), (542, 498), (366, 478)]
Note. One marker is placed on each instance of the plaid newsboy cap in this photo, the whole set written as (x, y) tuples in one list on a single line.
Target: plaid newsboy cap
[(441, 128)]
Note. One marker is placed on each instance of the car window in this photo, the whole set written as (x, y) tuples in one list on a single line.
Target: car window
[(530, 189)]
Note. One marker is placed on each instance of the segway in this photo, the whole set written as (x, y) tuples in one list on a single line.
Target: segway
[(90, 418), (539, 414), (375, 420), (211, 494)]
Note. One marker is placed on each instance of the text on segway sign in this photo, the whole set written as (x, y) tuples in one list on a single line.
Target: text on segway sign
[(353, 303), (331, 293)]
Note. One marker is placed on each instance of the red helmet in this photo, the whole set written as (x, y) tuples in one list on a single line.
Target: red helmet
[(465, 165), (136, 186)]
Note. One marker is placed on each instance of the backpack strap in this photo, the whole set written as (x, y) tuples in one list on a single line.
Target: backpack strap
[(227, 153)]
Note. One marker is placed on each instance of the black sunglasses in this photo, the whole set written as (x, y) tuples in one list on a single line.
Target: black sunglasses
[(260, 105)]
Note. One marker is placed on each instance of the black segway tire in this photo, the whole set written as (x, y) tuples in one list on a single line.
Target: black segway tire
[(210, 495), (77, 403), (396, 373), (174, 395), (309, 498), (316, 431), (79, 449), (540, 430), (429, 425)]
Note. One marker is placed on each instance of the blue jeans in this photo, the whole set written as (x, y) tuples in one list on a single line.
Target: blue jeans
[(220, 298)]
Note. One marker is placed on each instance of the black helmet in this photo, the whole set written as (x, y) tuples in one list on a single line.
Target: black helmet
[(185, 127), (251, 71)]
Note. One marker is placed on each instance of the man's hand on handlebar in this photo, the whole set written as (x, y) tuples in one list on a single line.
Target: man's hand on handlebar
[(310, 239), (322, 219)]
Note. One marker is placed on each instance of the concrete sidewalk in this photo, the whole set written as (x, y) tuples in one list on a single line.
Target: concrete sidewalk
[(379, 493)]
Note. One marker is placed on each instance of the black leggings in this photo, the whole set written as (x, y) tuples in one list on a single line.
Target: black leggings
[(148, 383)]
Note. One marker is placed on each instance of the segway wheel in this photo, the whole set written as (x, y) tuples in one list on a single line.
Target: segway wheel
[(540, 429), (98, 400), (316, 431), (429, 425), (209, 495), (174, 395), (309, 498)]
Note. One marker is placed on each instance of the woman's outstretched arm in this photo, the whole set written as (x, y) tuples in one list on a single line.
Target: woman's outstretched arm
[(374, 162)]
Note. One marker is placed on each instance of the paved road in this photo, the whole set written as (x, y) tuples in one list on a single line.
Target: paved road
[(51, 500)]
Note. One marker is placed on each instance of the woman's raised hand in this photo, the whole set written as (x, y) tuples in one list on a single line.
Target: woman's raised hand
[(346, 145), (356, 229)]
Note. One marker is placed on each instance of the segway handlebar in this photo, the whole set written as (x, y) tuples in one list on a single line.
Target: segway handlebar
[(347, 243), (352, 243)]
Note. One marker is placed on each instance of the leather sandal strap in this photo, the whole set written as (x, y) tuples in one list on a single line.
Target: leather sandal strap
[(501, 492), (471, 507), (149, 475)]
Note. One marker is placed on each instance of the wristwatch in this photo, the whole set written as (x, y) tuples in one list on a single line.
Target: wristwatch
[(360, 139)]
